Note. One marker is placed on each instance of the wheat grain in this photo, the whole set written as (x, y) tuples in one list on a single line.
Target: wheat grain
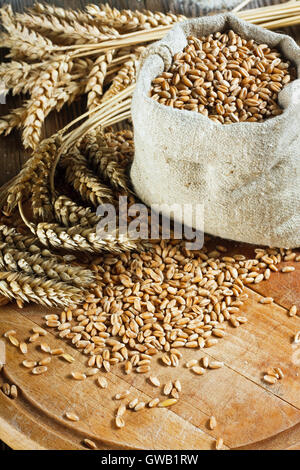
[(270, 379), (78, 376), (33, 338), (14, 341), (168, 402), (297, 338), (154, 381), (153, 403), (67, 358), (39, 370), (212, 423), (266, 300), (9, 333), (13, 392), (45, 347), (288, 269), (29, 364), (71, 416), (45, 362), (198, 370), (279, 373), (293, 311), (219, 443), (6, 389), (90, 444), (39, 330), (57, 352), (121, 396)]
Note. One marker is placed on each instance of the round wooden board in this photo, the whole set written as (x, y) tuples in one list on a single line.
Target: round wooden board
[(250, 414)]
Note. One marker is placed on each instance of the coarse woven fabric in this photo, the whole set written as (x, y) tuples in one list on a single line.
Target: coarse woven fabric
[(247, 175), (217, 4)]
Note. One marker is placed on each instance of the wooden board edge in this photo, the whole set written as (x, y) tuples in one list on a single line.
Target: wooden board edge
[(14, 438)]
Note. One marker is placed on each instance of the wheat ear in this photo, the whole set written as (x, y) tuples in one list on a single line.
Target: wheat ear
[(96, 78), (84, 180), (29, 43), (42, 291), (79, 238), (104, 161), (51, 268), (64, 32), (128, 20), (21, 186), (69, 213)]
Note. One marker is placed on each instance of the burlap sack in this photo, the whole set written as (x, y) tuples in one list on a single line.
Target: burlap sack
[(247, 175)]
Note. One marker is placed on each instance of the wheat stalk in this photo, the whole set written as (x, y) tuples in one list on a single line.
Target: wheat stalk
[(37, 265), (47, 292)]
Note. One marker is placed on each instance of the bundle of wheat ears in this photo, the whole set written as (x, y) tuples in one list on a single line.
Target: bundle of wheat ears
[(57, 55)]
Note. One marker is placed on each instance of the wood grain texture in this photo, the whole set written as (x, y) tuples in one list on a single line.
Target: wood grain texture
[(250, 414)]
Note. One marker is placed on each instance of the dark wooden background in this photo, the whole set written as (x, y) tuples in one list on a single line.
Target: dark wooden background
[(12, 155)]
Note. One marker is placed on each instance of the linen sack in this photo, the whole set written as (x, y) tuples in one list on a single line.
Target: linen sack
[(246, 174)]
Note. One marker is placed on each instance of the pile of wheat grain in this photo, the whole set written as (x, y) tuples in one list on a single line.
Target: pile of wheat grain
[(226, 78), (157, 302)]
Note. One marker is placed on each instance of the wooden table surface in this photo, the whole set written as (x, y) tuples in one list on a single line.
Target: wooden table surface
[(250, 413)]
